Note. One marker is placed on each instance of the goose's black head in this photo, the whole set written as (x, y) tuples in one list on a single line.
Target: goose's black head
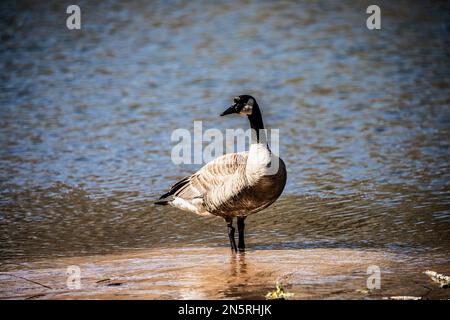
[(243, 104)]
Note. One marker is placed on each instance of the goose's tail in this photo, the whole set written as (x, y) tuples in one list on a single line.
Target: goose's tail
[(175, 188)]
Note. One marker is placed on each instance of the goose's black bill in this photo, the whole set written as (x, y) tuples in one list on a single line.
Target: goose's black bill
[(230, 110)]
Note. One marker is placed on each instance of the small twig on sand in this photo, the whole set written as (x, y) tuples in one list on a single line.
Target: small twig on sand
[(32, 281), (429, 291), (35, 296), (103, 280), (109, 282), (403, 298)]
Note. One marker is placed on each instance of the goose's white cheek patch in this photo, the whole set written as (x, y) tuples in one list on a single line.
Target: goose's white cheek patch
[(248, 108)]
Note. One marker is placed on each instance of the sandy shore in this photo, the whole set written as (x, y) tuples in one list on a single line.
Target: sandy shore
[(216, 273)]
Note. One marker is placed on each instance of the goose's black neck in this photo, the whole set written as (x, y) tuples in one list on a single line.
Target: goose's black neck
[(257, 125)]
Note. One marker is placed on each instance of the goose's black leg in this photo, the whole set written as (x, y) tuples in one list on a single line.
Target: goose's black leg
[(241, 226), (231, 233)]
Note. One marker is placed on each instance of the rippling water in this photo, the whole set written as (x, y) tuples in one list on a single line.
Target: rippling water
[(86, 118)]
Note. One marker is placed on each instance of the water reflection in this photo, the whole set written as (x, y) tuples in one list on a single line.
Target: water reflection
[(237, 264), (237, 278)]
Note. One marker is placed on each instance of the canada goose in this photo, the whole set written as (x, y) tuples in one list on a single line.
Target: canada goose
[(235, 184)]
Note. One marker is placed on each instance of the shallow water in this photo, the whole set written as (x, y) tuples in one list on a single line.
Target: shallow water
[(214, 273), (86, 119)]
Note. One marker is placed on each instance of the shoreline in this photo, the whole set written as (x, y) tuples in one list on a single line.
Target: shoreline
[(216, 273)]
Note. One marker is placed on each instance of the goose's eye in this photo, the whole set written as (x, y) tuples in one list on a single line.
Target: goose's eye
[(236, 100)]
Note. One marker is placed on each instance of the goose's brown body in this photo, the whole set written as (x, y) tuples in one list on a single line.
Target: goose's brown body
[(229, 187)]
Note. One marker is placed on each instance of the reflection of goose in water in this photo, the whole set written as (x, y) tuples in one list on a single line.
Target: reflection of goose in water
[(238, 266), (237, 280), (235, 184)]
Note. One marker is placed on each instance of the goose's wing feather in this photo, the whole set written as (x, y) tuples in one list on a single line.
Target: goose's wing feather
[(214, 178)]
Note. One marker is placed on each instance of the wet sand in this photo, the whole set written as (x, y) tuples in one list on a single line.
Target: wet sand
[(216, 273)]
